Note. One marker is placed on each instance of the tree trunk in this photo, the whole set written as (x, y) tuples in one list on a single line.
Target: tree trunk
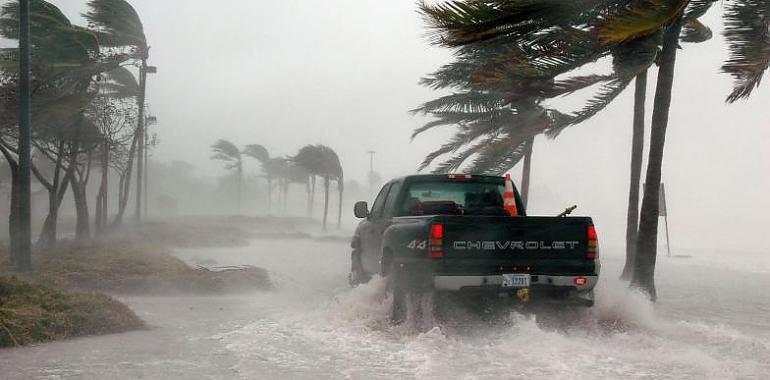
[(307, 188), (13, 216), (239, 173), (56, 192), (100, 217), (269, 194), (525, 172), (125, 182), (340, 188), (312, 195), (637, 152), (286, 196), (139, 135), (326, 200), (646, 243), (82, 224)]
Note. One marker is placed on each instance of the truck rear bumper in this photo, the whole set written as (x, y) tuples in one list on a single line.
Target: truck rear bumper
[(459, 282)]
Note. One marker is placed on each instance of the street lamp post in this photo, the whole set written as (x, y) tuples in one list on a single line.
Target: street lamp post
[(371, 170), (140, 164)]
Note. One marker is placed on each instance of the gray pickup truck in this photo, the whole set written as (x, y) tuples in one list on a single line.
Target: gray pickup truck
[(451, 233)]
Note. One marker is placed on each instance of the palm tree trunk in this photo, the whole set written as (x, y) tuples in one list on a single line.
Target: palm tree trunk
[(637, 152), (139, 135), (309, 201), (326, 200), (100, 217), (312, 195), (646, 243), (269, 193), (525, 172), (340, 188), (240, 186), (126, 185)]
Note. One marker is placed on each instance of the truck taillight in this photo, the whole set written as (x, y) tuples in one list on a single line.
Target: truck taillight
[(593, 243), (436, 241)]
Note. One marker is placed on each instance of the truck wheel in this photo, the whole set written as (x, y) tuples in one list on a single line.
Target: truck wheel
[(398, 310), (357, 275)]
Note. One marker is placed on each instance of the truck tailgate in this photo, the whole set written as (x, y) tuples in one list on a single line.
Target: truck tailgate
[(534, 244)]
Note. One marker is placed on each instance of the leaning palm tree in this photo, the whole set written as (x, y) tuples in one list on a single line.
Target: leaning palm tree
[(320, 160), (693, 32), (118, 26), (537, 38), (229, 153), (260, 153)]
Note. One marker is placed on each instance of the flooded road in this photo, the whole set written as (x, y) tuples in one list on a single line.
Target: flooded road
[(711, 322)]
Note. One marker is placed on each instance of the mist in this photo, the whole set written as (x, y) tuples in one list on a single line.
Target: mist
[(248, 279)]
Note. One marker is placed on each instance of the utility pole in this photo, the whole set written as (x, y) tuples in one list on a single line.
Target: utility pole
[(371, 170), (23, 255), (140, 134)]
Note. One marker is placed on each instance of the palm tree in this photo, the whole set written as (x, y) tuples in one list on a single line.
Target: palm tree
[(694, 32), (320, 160), (118, 25), (229, 153), (260, 153), (120, 84), (551, 37)]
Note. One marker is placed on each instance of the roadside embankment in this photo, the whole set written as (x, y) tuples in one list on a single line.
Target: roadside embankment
[(33, 313)]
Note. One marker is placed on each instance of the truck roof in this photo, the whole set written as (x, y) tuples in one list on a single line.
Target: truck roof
[(433, 177)]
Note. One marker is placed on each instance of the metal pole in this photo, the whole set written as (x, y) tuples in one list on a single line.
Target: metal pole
[(140, 141), (668, 242), (146, 168), (371, 170), (24, 253)]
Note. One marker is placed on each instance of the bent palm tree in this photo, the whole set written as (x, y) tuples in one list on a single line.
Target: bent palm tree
[(118, 25), (260, 153), (229, 153), (320, 160)]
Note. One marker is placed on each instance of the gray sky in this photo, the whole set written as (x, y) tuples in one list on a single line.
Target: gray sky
[(344, 73)]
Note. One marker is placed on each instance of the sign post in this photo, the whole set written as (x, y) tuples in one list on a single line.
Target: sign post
[(663, 211)]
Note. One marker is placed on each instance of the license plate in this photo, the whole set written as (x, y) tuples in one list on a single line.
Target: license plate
[(515, 280)]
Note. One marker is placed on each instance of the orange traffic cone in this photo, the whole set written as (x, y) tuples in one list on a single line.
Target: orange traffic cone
[(509, 200)]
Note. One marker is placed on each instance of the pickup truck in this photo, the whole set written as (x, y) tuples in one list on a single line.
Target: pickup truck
[(451, 233)]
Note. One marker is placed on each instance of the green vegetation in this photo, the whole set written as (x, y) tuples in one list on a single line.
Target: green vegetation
[(513, 56), (31, 313), (123, 267)]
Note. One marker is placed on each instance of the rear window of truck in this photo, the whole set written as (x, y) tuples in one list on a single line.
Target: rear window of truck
[(441, 197)]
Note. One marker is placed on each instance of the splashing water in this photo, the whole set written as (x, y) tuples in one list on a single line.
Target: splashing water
[(314, 326)]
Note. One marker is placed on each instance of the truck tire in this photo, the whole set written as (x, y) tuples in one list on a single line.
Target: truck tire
[(398, 311), (357, 275)]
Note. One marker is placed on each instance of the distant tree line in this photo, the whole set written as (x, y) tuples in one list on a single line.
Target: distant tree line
[(88, 110), (512, 57), (308, 164)]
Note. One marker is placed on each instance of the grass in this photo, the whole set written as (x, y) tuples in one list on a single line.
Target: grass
[(127, 267), (32, 313)]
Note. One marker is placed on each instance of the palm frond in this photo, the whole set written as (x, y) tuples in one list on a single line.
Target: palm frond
[(456, 23), (257, 152), (694, 31), (747, 31), (638, 19), (225, 151), (118, 22)]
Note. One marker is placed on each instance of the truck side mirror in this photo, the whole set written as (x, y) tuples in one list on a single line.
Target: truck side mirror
[(361, 210)]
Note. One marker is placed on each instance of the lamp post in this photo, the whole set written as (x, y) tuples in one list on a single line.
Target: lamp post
[(371, 170), (140, 167)]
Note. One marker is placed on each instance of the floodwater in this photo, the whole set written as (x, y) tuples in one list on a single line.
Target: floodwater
[(711, 321)]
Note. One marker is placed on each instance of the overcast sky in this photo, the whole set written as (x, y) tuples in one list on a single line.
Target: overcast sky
[(344, 73)]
